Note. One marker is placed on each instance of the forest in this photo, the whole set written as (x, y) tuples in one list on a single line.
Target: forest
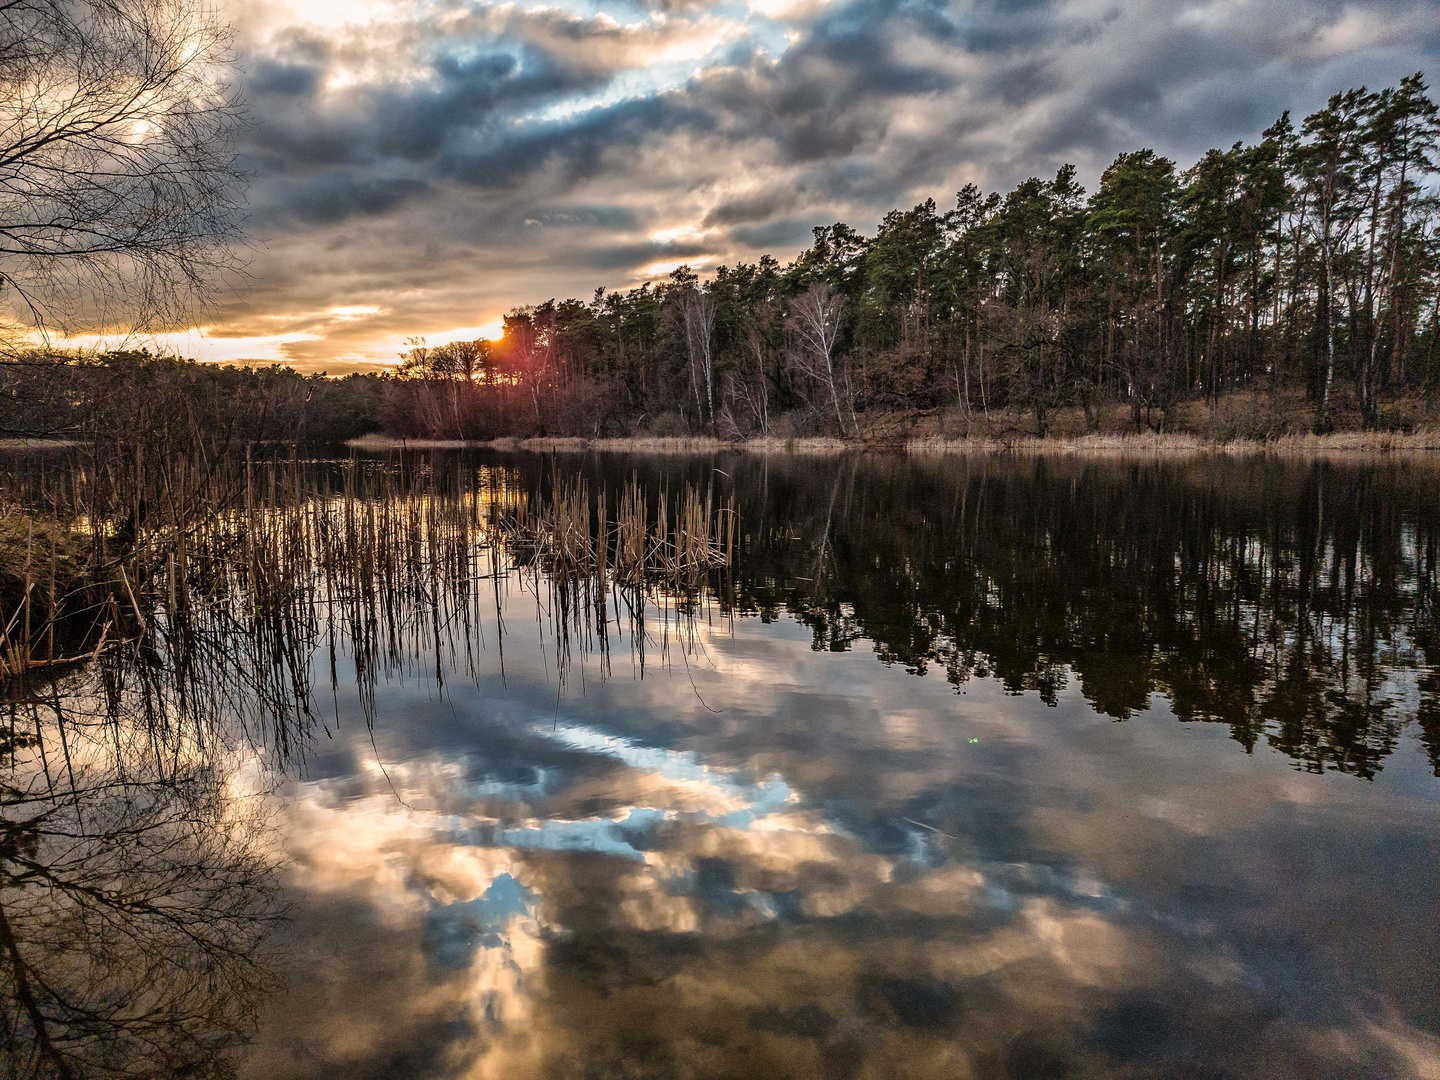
[(1302, 266), (1298, 275)]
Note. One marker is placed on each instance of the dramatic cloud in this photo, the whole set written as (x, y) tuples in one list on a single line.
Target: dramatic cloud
[(419, 168), (807, 876)]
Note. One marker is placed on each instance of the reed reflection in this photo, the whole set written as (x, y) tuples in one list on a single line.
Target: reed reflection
[(173, 668), (1295, 602), (751, 857)]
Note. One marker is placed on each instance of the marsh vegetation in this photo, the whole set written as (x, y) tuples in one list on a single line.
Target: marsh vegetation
[(213, 630), (169, 627)]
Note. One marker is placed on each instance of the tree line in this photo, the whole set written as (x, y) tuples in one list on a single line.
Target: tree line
[(1305, 264), (1300, 273)]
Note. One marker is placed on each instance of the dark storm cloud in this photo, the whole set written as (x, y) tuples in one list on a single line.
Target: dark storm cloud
[(1187, 87), (269, 78), (412, 150), (335, 196), (826, 97), (515, 61), (776, 235), (577, 147), (1020, 27), (823, 99), (624, 256), (756, 207), (414, 124)]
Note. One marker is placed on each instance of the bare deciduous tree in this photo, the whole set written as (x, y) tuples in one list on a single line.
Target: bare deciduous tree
[(757, 394), (119, 182), (813, 326), (529, 337), (698, 309), (467, 361)]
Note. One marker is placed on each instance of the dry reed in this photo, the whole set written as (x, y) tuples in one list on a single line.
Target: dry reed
[(216, 590)]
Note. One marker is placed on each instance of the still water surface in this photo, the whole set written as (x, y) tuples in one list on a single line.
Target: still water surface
[(972, 766)]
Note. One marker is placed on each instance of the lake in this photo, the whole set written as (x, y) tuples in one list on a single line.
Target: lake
[(954, 766)]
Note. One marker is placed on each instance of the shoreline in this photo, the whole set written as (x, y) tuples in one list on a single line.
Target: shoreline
[(1147, 444)]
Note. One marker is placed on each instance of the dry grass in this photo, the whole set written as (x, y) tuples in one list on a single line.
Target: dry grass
[(1182, 443), (675, 543), (379, 443), (648, 444), (1423, 440), (654, 444), (32, 445), (1280, 422)]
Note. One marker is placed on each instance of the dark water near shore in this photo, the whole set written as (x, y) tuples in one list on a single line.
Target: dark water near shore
[(986, 766), (994, 767)]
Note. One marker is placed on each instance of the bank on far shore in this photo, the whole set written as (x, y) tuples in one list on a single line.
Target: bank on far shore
[(1239, 424)]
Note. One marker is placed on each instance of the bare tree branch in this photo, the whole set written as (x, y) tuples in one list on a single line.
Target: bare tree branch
[(119, 184)]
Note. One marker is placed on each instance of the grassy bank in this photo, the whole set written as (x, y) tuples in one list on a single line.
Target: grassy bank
[(1150, 443), (1426, 441), (695, 444), (1422, 442), (1237, 423)]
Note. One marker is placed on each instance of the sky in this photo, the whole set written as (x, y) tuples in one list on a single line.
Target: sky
[(419, 168)]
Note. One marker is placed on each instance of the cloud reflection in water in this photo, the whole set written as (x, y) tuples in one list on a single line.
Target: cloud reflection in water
[(825, 876)]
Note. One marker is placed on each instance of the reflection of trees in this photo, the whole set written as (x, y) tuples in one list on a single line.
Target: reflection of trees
[(135, 892), (1288, 600), (1295, 603), (1284, 600)]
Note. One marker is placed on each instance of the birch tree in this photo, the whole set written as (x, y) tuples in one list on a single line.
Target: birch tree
[(814, 326), (698, 311)]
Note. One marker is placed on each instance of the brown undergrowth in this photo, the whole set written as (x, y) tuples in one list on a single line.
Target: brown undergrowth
[(1249, 422)]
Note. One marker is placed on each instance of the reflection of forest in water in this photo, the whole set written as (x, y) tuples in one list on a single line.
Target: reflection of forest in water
[(149, 714), (136, 888), (1296, 602)]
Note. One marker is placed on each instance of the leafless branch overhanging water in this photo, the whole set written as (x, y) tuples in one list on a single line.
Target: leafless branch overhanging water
[(172, 620)]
